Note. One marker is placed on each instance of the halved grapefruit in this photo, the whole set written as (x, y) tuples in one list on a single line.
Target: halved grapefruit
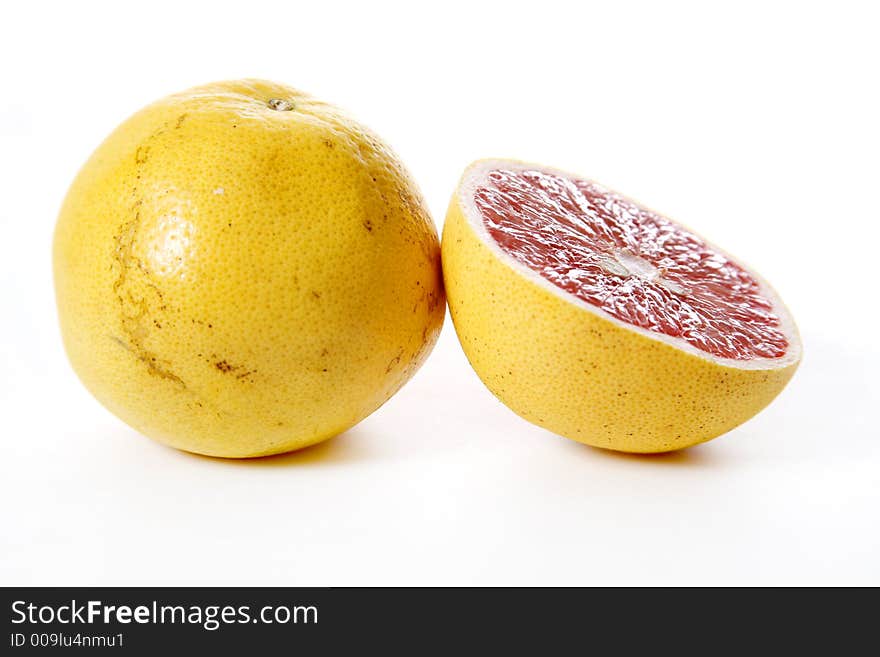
[(603, 321)]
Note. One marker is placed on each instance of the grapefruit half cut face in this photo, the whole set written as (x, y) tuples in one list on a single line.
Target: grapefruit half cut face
[(629, 264)]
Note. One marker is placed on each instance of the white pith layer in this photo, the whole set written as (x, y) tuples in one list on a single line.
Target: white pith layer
[(476, 176)]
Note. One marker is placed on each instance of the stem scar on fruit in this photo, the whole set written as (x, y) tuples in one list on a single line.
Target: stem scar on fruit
[(280, 105)]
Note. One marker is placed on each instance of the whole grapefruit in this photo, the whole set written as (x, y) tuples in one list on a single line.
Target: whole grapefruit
[(244, 270), (603, 321)]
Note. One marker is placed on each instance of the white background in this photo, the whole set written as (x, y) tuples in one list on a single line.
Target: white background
[(756, 124)]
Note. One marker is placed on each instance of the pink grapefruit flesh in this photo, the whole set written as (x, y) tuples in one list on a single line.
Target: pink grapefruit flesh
[(634, 264)]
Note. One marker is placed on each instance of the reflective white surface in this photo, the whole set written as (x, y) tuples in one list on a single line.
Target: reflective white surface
[(762, 133)]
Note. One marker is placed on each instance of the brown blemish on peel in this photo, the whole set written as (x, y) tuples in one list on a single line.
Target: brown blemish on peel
[(394, 361), (239, 371), (137, 294), (141, 155)]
